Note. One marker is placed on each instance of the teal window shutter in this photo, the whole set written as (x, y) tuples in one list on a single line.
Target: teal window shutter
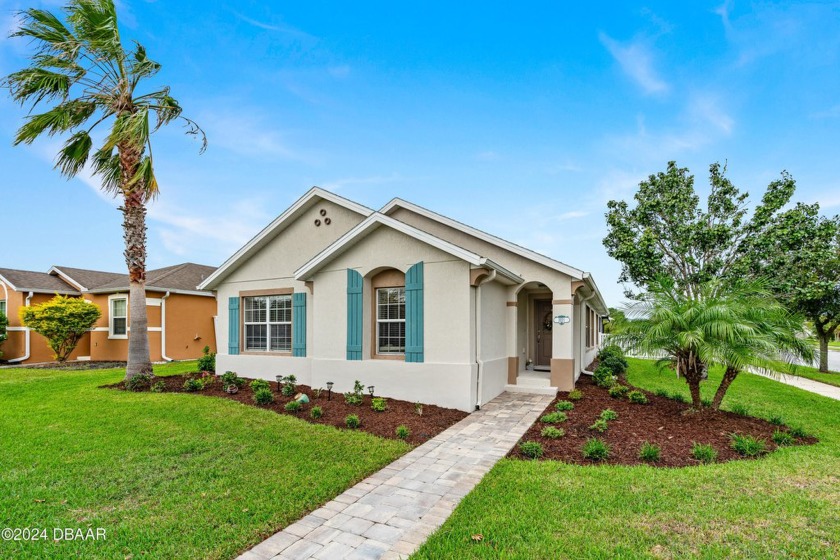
[(299, 325), (414, 313), (233, 326), (354, 315)]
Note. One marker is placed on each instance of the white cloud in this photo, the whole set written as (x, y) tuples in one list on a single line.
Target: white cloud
[(707, 109), (251, 136), (571, 215), (279, 27), (636, 59)]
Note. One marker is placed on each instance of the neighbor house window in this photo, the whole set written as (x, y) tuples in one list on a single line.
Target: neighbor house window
[(3, 306), (268, 323), (390, 321), (119, 317)]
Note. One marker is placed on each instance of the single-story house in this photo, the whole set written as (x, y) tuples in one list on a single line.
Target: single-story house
[(420, 306), (180, 315)]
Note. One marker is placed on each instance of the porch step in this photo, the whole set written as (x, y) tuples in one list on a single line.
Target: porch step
[(533, 379), (531, 390)]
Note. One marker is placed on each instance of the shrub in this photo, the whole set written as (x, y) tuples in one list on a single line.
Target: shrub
[(316, 412), (595, 449), (618, 391), (193, 385), (258, 384), (637, 397), (4, 325), (600, 425), (288, 390), (679, 397), (739, 409), (63, 321), (610, 351), (747, 445), (782, 438), (650, 452), (418, 408), (603, 377), (563, 406), (777, 420), (263, 396), (661, 392), (231, 378), (798, 432), (554, 418), (316, 393), (531, 449), (352, 398), (616, 364), (207, 362), (352, 421), (575, 395), (139, 382), (402, 432), (293, 406), (552, 433), (704, 453), (158, 387), (608, 414), (378, 404)]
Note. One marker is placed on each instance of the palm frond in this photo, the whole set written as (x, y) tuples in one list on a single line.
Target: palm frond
[(106, 164), (61, 118), (74, 155)]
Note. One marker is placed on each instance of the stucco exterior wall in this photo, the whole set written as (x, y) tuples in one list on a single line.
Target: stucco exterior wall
[(493, 340), (189, 325)]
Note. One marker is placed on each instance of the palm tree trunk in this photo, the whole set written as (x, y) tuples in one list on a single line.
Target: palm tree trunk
[(728, 377), (134, 227), (694, 388)]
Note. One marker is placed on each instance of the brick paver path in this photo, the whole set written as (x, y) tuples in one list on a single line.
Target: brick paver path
[(389, 514)]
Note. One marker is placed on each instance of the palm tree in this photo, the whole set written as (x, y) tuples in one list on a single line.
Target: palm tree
[(83, 69), (741, 328)]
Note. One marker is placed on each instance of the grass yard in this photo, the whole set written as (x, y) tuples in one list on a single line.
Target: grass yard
[(781, 506), (832, 378), (166, 475)]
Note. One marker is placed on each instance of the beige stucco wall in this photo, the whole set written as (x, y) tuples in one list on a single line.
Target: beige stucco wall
[(492, 309)]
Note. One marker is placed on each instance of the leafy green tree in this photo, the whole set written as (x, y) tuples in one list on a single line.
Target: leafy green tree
[(4, 323), (616, 323), (669, 233), (742, 327), (82, 68), (63, 321)]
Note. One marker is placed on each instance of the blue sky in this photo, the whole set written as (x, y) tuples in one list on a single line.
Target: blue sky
[(521, 119)]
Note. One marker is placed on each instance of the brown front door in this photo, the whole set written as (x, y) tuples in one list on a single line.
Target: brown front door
[(542, 328)]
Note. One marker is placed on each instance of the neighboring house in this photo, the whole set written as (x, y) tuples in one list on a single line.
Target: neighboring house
[(180, 316), (420, 306)]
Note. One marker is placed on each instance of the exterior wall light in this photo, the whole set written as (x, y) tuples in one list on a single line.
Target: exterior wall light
[(562, 319)]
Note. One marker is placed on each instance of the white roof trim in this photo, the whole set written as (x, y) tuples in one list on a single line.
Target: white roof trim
[(278, 222), (498, 241), (594, 287), (125, 289), (374, 221), (66, 277), (9, 284)]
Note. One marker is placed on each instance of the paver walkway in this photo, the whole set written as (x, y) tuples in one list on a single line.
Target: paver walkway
[(391, 513), (806, 384)]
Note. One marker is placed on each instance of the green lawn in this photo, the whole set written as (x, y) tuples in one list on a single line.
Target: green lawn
[(782, 506), (166, 475), (832, 378)]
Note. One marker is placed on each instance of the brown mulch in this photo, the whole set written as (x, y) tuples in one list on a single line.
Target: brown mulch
[(423, 427), (663, 421)]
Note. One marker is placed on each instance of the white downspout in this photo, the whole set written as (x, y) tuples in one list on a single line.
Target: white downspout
[(478, 361), (26, 334), (163, 328)]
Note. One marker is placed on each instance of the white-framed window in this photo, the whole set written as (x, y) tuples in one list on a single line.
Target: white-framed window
[(3, 307), (118, 317), (268, 323), (390, 321)]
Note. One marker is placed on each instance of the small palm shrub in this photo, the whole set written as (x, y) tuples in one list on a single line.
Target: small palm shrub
[(798, 432), (777, 420), (747, 445), (263, 396), (402, 432), (231, 378), (564, 406), (650, 452), (193, 385), (531, 449), (608, 414), (618, 391), (603, 377), (575, 395), (139, 382), (258, 384), (661, 392), (158, 387), (782, 438), (379, 404), (600, 425), (552, 433), (207, 362), (739, 409), (554, 418), (352, 421), (595, 450), (637, 397), (293, 406), (704, 453), (316, 412)]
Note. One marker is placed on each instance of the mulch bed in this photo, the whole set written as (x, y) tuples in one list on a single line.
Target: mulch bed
[(663, 421), (423, 427)]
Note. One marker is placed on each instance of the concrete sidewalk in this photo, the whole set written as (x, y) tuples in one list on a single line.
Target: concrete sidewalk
[(824, 389)]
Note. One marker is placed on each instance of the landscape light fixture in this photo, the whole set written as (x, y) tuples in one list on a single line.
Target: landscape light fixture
[(279, 382), (370, 389), (329, 390)]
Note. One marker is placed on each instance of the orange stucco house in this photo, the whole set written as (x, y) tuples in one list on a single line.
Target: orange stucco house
[(180, 315)]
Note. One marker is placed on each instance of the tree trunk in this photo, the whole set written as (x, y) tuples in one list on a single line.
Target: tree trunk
[(824, 338), (728, 377), (134, 226)]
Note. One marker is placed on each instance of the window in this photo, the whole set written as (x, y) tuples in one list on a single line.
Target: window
[(3, 306), (268, 323), (119, 317), (390, 321)]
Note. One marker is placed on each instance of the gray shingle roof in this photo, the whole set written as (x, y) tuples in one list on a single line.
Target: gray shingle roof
[(29, 281), (89, 279), (182, 277)]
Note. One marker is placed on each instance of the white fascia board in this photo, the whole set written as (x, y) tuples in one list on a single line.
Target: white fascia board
[(374, 221), (594, 287), (64, 276), (279, 222), (9, 284), (575, 273), (125, 289), (509, 274)]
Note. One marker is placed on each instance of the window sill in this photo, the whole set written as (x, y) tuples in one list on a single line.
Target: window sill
[(261, 353), (117, 337), (395, 357)]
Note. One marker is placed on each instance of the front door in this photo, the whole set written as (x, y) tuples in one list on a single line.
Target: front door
[(542, 327)]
